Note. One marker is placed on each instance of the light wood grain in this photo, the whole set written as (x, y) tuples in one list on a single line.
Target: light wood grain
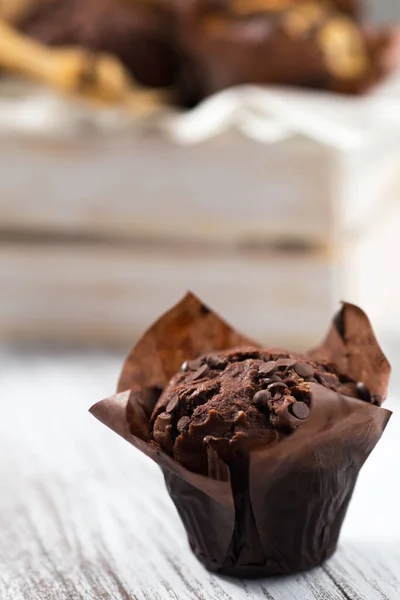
[(93, 291), (85, 516), (227, 189), (90, 293)]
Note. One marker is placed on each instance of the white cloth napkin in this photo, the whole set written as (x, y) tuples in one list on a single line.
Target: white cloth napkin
[(264, 114), (268, 115)]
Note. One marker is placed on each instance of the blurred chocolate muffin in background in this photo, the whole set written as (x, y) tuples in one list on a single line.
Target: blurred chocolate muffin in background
[(139, 33), (310, 45), (199, 47)]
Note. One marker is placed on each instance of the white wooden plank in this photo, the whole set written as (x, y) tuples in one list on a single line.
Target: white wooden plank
[(84, 515), (106, 293), (228, 189), (367, 570)]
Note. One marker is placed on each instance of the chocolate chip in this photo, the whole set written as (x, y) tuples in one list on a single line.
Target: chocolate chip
[(300, 410), (285, 363), (273, 379), (217, 362), (183, 424), (202, 372), (172, 404), (363, 392), (303, 369), (268, 368), (261, 398), (277, 389), (191, 365)]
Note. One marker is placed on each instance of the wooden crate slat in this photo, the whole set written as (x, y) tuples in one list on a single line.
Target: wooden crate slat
[(95, 293)]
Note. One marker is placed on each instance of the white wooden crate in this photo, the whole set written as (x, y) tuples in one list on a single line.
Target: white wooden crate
[(109, 293), (159, 218)]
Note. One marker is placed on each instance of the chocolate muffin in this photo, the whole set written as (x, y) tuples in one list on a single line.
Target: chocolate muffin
[(139, 33), (260, 449), (310, 45), (243, 392)]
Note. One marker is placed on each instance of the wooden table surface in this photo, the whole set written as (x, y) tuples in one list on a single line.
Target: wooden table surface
[(84, 515)]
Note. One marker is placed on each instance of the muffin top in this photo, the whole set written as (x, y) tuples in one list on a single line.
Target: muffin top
[(243, 392)]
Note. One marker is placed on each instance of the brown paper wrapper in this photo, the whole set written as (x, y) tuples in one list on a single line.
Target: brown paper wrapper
[(265, 508)]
